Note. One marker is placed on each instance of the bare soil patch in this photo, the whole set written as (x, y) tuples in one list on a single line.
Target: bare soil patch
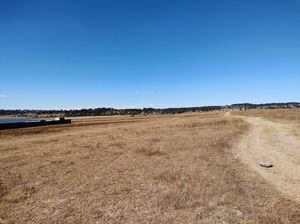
[(268, 141)]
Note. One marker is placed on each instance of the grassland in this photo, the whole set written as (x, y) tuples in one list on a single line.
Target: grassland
[(291, 115), (289, 118), (160, 169)]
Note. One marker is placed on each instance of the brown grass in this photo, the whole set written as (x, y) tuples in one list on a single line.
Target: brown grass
[(169, 169), (290, 118), (291, 115)]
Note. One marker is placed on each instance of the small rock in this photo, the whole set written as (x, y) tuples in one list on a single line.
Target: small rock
[(237, 212), (266, 164)]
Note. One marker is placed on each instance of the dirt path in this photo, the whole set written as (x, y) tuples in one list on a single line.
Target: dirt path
[(268, 141)]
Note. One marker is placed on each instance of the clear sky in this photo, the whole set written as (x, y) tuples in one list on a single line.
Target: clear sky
[(148, 53)]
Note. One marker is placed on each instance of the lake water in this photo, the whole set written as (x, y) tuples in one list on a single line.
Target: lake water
[(17, 120)]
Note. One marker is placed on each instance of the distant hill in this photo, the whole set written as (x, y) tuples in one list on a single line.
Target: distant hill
[(144, 111)]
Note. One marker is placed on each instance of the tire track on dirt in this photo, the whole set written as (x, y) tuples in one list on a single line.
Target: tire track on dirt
[(268, 141)]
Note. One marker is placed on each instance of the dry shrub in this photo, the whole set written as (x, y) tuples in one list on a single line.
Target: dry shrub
[(149, 151), (19, 194), (3, 189)]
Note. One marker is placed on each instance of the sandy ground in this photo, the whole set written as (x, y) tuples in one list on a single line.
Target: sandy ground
[(270, 141)]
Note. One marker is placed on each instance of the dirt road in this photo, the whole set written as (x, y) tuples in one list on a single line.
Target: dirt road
[(269, 141)]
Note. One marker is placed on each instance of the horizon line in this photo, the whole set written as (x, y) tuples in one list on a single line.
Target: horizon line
[(140, 108)]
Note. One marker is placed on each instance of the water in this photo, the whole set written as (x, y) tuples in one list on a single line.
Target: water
[(17, 120)]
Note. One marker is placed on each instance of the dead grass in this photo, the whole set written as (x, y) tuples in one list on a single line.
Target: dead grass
[(290, 118), (169, 169), (291, 115)]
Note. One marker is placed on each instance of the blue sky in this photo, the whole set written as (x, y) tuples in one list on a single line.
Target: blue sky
[(148, 53)]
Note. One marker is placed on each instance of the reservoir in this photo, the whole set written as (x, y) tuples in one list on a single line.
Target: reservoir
[(13, 123), (17, 120)]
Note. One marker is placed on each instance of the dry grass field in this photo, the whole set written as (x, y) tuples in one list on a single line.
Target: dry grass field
[(160, 169), (289, 118), (291, 115)]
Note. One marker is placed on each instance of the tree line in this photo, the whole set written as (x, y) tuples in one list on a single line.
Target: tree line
[(145, 111)]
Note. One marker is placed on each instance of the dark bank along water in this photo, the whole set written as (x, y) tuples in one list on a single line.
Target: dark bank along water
[(17, 120)]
